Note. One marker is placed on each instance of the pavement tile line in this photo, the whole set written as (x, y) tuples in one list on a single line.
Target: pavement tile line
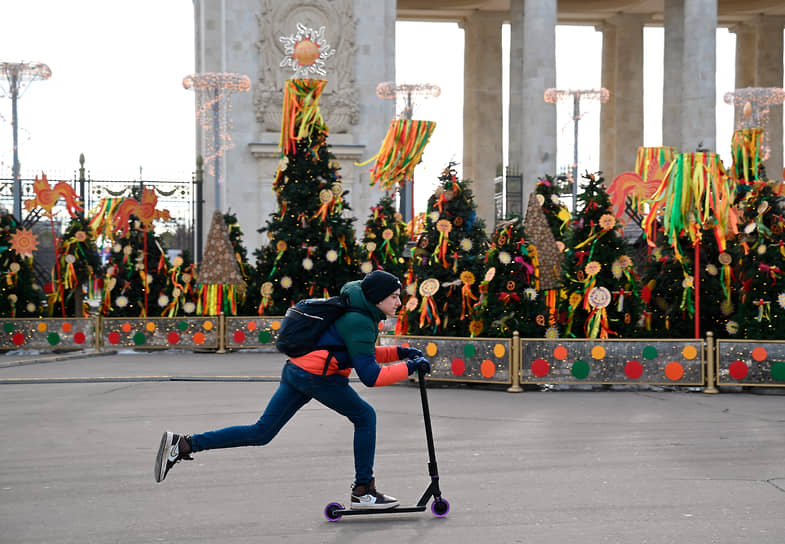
[(779, 486)]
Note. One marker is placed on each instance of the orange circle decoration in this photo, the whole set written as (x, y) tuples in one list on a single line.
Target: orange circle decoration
[(488, 369), (150, 326), (275, 325), (41, 327), (560, 353), (499, 350), (674, 371), (251, 326), (689, 352), (207, 325), (198, 338), (67, 327), (431, 349), (125, 327), (443, 226), (306, 52), (598, 352), (759, 354)]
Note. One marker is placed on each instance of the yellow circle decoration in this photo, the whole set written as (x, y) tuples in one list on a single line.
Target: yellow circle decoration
[(467, 277), (306, 52), (412, 303), (267, 288), (275, 325), (281, 246), (207, 325), (388, 234), (150, 326), (689, 352), (429, 287), (575, 299), (443, 226), (598, 352), (431, 349), (326, 196), (499, 350), (41, 327)]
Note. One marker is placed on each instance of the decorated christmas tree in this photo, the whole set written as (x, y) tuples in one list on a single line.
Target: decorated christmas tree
[(509, 300), (384, 240), (249, 301), (311, 252), (20, 293), (79, 264), (447, 263), (597, 272), (556, 213), (760, 310), (180, 293), (220, 283)]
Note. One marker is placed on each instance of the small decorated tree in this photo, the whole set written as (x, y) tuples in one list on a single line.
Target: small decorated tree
[(556, 213), (509, 301), (384, 240), (220, 282), (249, 302), (180, 293), (79, 264), (447, 263), (20, 293), (597, 272)]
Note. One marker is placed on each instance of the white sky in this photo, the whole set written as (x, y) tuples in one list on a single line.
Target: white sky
[(116, 91)]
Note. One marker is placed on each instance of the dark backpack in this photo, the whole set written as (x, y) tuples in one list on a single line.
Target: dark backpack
[(306, 321)]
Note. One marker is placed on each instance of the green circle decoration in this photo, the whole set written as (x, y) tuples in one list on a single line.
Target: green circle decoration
[(778, 371), (468, 350), (8, 327), (53, 338), (580, 369), (650, 352), (182, 325), (139, 338), (265, 337)]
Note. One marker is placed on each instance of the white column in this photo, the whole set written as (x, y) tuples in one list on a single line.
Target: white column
[(482, 108), (769, 73), (538, 127), (607, 113), (628, 92), (515, 110), (689, 97)]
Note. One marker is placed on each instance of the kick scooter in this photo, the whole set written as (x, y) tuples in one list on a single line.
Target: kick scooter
[(334, 511)]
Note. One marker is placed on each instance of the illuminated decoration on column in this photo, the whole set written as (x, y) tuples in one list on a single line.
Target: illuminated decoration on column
[(390, 90), (18, 74), (752, 110), (576, 95), (214, 92)]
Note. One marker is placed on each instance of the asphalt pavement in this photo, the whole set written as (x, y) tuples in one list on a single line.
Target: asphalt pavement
[(78, 435)]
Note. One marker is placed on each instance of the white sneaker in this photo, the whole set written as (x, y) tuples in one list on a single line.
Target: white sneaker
[(169, 453), (365, 497)]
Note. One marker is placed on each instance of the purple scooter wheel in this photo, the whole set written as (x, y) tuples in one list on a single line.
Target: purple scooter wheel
[(331, 511), (440, 507)]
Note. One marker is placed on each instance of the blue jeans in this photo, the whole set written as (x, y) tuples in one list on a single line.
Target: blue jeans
[(297, 387)]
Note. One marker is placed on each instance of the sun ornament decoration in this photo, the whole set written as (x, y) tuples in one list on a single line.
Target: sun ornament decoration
[(306, 52), (24, 242)]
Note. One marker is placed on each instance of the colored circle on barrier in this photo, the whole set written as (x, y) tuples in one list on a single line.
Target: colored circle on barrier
[(139, 338), (650, 352), (79, 337), (125, 327), (114, 337), (41, 327), (405, 345), (53, 338), (759, 354), (173, 337), (431, 349), (265, 336), (66, 327), (458, 367), (207, 325), (487, 368), (251, 326), (738, 370), (182, 326), (198, 338), (239, 337), (499, 350), (580, 369), (689, 352), (674, 371), (540, 367), (8, 327), (469, 351), (560, 353), (598, 352), (778, 371), (150, 326), (18, 339), (275, 325), (633, 369)]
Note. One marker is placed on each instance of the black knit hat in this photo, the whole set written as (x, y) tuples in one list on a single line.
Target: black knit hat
[(378, 285)]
